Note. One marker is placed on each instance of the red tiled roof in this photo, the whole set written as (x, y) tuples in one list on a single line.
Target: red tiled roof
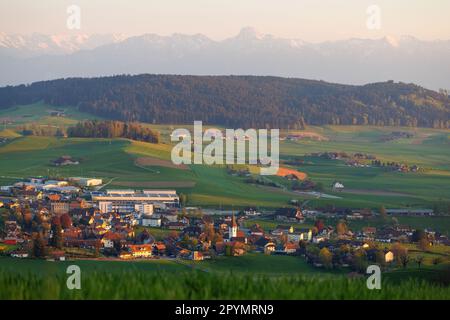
[(112, 236)]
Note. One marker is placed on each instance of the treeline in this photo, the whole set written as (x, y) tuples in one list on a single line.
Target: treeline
[(33, 129), (240, 101), (113, 129)]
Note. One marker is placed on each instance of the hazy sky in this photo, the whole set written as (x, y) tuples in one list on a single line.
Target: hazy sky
[(311, 20)]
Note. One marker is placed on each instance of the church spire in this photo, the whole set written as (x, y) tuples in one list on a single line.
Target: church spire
[(233, 221), (232, 229)]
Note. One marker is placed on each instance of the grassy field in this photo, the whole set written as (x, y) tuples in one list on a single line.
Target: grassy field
[(159, 233), (269, 224), (31, 279), (115, 162), (428, 149), (260, 264), (437, 223), (40, 113), (115, 159), (48, 268)]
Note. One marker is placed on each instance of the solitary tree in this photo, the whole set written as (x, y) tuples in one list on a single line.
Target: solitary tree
[(404, 260), (424, 244), (326, 258), (319, 225), (183, 199), (383, 213), (57, 237), (39, 249), (401, 254), (419, 260), (418, 235), (341, 228), (360, 260), (66, 221)]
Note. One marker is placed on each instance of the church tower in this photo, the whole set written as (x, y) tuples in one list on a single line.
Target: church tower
[(232, 229)]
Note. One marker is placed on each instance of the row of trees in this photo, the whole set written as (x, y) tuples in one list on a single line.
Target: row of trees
[(360, 258), (33, 129), (113, 129), (244, 101)]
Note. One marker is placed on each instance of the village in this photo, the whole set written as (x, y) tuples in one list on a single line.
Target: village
[(68, 219)]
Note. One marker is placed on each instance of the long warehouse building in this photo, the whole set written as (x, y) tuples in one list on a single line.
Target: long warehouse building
[(129, 198)]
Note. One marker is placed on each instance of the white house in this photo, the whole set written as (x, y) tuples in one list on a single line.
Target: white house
[(389, 256), (150, 221), (338, 186)]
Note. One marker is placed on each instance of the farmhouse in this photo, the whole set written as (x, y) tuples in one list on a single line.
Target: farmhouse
[(269, 247), (109, 238), (289, 214), (389, 256), (196, 256), (159, 248), (65, 161), (290, 248), (337, 186), (141, 250)]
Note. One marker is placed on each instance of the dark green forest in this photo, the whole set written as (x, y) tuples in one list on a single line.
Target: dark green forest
[(239, 101), (113, 129)]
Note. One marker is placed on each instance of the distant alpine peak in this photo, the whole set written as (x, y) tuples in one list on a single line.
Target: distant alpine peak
[(249, 33)]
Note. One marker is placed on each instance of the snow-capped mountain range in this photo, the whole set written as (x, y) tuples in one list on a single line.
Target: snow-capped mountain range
[(25, 59), (39, 44)]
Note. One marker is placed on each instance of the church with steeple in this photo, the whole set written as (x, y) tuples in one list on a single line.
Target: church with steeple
[(234, 234), (233, 228)]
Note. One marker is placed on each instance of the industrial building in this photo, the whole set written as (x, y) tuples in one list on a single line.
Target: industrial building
[(135, 201), (125, 207)]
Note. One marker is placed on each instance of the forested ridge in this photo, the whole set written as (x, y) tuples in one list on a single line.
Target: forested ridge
[(239, 101)]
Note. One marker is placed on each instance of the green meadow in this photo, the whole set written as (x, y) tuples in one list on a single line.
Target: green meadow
[(264, 265), (40, 114), (116, 161), (31, 279)]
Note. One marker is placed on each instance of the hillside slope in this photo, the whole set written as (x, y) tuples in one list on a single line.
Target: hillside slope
[(239, 101)]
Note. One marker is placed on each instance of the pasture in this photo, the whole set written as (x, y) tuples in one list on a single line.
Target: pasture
[(124, 163), (28, 279), (41, 114)]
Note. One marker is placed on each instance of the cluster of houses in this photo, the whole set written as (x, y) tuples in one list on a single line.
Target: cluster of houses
[(396, 166), (130, 224), (363, 160)]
